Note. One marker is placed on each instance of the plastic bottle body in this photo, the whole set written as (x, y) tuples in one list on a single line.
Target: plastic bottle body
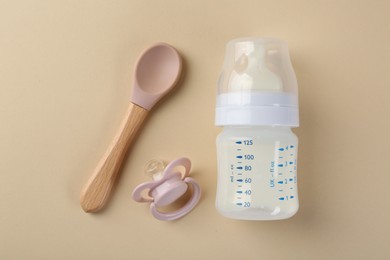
[(257, 105), (257, 172)]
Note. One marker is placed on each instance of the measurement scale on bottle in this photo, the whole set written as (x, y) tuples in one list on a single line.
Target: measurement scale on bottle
[(277, 170)]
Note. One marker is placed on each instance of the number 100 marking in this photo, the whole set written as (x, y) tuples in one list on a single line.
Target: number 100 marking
[(249, 157)]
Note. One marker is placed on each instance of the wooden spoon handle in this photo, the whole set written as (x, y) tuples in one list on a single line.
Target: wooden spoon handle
[(98, 188)]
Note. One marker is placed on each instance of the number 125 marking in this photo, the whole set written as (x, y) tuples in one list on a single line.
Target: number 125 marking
[(248, 142)]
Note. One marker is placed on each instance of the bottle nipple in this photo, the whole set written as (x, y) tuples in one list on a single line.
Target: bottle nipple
[(252, 73)]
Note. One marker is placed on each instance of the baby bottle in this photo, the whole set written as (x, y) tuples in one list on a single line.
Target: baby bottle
[(257, 105)]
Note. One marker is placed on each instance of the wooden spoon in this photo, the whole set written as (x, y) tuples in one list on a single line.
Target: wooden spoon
[(157, 71)]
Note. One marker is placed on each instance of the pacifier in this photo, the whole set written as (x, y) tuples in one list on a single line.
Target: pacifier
[(169, 184)]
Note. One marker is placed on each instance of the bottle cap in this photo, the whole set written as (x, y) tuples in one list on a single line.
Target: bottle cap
[(257, 85)]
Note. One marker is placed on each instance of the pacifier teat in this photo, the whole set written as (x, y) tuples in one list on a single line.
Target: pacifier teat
[(155, 168), (169, 184)]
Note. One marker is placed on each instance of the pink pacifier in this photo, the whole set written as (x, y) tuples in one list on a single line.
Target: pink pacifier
[(168, 185)]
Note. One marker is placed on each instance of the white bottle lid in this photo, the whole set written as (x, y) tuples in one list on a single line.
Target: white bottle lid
[(257, 85)]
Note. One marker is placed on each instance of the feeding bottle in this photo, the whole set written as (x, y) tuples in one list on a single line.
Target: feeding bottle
[(257, 105)]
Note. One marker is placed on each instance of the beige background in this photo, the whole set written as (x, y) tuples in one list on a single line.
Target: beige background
[(65, 81)]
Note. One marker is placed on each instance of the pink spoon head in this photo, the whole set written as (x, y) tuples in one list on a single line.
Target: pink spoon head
[(157, 72)]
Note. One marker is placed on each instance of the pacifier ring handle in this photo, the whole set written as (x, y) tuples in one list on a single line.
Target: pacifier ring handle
[(182, 211), (137, 196), (184, 162)]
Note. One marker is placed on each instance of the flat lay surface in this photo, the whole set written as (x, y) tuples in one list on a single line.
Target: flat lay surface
[(66, 71)]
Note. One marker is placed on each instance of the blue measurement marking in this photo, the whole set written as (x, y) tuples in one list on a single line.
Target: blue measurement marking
[(281, 149), (239, 203), (281, 198), (291, 162), (280, 182), (239, 180), (291, 197), (280, 165), (280, 157), (291, 146), (239, 191), (291, 188), (291, 179), (238, 142), (239, 156), (239, 168)]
